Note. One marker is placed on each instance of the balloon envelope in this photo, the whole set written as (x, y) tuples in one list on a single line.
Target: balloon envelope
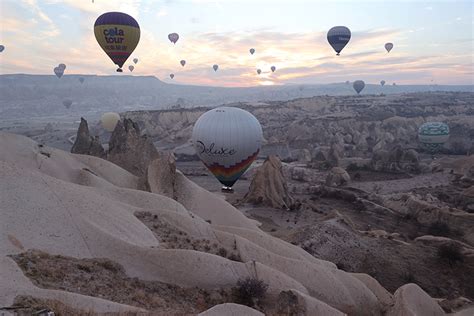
[(109, 120), (338, 37), (259, 71), (67, 103), (2, 48), (173, 37), (273, 68), (252, 50), (118, 34), (432, 135), (183, 62), (388, 47), (81, 79), (215, 67), (58, 72), (358, 86), (135, 60), (227, 140), (382, 83), (171, 76), (131, 67), (62, 66)]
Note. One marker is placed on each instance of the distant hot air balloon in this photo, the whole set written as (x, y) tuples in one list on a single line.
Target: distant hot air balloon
[(109, 120), (388, 47), (81, 79), (118, 34), (273, 68), (215, 67), (433, 135), (2, 48), (227, 140), (67, 103), (338, 37), (358, 86), (183, 62), (131, 68), (348, 82), (135, 60), (394, 84), (173, 37), (252, 51), (62, 66), (58, 72), (382, 83), (259, 71), (171, 76)]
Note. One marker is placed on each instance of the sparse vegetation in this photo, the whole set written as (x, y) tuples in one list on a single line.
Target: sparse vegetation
[(250, 291), (450, 253)]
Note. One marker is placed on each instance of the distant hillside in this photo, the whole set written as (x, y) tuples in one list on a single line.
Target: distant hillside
[(39, 95)]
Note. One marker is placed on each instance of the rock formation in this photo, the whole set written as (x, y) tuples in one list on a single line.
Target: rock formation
[(337, 177), (396, 160), (130, 150), (161, 175), (269, 187), (85, 144)]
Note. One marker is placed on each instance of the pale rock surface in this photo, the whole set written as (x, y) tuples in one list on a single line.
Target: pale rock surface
[(231, 309), (337, 176), (411, 300)]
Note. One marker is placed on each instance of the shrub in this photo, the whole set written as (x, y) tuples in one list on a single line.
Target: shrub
[(450, 253), (250, 291)]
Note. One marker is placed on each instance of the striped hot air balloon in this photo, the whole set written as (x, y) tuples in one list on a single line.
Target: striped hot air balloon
[(118, 34), (227, 140), (433, 135)]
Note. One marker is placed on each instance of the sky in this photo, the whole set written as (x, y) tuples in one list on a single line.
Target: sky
[(433, 40)]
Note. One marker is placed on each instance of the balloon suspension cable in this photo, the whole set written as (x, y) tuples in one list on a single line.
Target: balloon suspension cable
[(227, 189)]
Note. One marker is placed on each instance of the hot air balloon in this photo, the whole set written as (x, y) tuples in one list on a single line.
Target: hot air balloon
[(348, 82), (433, 135), (394, 84), (67, 103), (338, 37), (259, 71), (227, 140), (173, 37), (58, 72), (358, 86), (382, 83), (215, 67), (135, 60), (171, 76), (118, 34), (131, 68), (62, 66), (252, 51), (109, 120), (183, 62), (273, 68), (388, 47), (2, 48), (81, 79)]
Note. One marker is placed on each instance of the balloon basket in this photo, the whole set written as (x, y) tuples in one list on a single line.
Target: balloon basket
[(227, 189), (119, 70)]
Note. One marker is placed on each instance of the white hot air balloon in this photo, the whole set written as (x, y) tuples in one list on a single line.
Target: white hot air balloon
[(183, 62), (215, 67), (131, 68), (388, 47), (109, 120), (227, 140), (358, 86), (259, 71), (273, 68)]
